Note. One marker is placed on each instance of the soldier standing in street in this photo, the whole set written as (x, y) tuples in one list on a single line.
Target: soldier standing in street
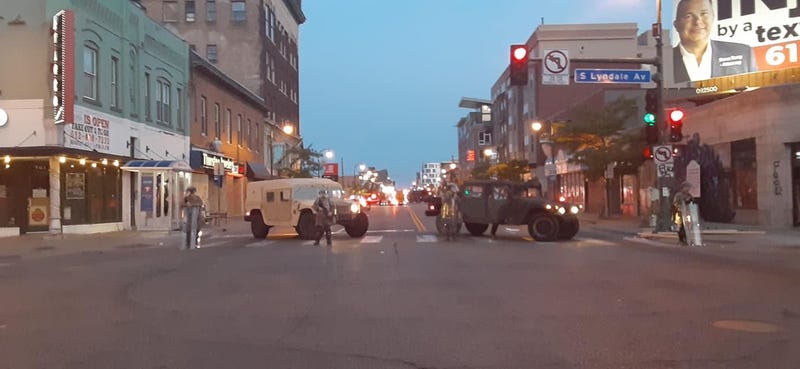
[(323, 210), (192, 205), (681, 198)]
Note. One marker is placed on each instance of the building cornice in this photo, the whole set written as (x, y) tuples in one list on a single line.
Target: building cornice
[(296, 9)]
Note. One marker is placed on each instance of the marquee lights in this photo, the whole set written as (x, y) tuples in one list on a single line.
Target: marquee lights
[(63, 66)]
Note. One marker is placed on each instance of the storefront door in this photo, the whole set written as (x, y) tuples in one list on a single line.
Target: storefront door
[(25, 192)]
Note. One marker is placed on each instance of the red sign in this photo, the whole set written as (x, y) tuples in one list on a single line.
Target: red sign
[(470, 155), (331, 169)]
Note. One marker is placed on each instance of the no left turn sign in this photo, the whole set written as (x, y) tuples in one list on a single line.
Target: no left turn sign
[(555, 67), (663, 154)]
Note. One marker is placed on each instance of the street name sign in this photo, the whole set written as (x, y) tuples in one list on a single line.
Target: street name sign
[(612, 76)]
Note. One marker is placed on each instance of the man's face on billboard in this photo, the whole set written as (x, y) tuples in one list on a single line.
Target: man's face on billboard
[(694, 21)]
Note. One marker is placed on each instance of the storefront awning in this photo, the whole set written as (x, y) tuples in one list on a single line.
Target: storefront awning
[(257, 171), (165, 165)]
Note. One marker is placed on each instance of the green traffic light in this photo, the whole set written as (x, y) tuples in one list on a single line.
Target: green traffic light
[(650, 119)]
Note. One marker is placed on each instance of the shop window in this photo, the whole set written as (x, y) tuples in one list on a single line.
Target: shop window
[(743, 161)]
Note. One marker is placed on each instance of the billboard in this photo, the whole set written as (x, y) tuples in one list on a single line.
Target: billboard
[(717, 38)]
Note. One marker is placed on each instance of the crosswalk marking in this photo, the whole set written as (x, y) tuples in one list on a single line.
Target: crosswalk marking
[(372, 239), (426, 238)]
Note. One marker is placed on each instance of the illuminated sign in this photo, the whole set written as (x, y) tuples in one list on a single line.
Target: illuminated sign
[(210, 160), (62, 66), (470, 155), (744, 36)]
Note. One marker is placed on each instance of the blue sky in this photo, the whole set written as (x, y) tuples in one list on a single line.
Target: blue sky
[(380, 80)]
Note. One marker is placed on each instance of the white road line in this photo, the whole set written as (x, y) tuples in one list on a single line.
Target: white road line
[(391, 230), (212, 244), (371, 239), (4, 265), (426, 238)]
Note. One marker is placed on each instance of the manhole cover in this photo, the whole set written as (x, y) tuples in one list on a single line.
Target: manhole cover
[(751, 326), (45, 248)]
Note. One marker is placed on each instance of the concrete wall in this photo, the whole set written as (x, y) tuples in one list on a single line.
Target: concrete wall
[(770, 116), (16, 40)]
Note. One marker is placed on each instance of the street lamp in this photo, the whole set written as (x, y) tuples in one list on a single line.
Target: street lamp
[(288, 129), (536, 126)]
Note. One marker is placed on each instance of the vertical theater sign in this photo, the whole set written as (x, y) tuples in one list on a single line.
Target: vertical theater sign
[(63, 66)]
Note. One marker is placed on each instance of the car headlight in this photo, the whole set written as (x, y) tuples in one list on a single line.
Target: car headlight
[(562, 211), (548, 206), (574, 209), (354, 208)]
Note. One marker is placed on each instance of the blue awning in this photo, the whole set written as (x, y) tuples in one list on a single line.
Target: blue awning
[(166, 165)]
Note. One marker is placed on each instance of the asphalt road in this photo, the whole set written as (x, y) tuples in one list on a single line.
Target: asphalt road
[(398, 298)]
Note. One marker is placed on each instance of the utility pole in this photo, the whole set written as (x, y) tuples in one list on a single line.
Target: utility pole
[(663, 184)]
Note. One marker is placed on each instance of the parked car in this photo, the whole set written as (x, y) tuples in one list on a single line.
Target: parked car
[(485, 202), (288, 202)]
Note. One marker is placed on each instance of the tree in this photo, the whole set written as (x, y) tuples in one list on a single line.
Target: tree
[(481, 170), (510, 171), (715, 187), (598, 138), (303, 163)]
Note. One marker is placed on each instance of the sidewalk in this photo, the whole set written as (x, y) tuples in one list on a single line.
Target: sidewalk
[(714, 234), (43, 244)]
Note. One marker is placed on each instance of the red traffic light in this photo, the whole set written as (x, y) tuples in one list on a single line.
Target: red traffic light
[(676, 115), (519, 53)]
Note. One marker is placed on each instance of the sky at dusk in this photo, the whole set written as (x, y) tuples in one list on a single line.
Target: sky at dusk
[(380, 80)]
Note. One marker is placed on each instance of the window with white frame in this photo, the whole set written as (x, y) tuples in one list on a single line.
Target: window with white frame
[(203, 116), (270, 64), (133, 89), (147, 94), (239, 129), (90, 71), (238, 11), (169, 11), (191, 13), (179, 103), (228, 128), (115, 82), (217, 123), (211, 11), (211, 53), (163, 102)]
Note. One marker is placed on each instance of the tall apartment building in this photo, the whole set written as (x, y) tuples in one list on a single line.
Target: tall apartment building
[(253, 42)]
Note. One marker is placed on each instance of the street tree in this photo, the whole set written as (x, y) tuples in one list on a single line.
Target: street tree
[(303, 162), (481, 170), (510, 171), (597, 138)]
